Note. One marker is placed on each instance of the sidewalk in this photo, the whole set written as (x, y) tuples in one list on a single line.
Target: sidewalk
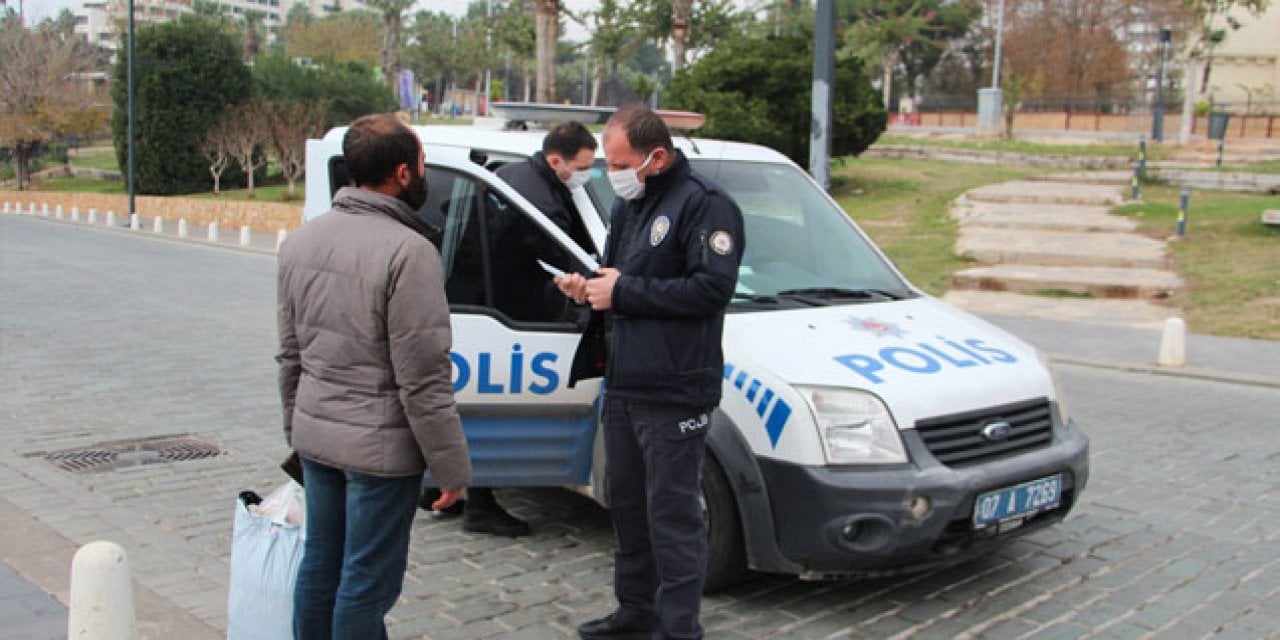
[(1237, 360), (28, 612)]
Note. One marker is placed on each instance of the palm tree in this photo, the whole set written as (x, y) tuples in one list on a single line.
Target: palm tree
[(548, 35), (393, 23)]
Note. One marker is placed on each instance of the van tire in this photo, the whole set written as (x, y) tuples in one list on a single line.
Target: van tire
[(726, 558)]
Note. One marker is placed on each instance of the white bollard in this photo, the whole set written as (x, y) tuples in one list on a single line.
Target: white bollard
[(182, 228), (280, 236), (111, 218), (135, 222), (31, 208), (75, 214), (101, 593), (44, 209), (57, 213), (246, 235), (1173, 343), (157, 225), (6, 206), (213, 231), (93, 216)]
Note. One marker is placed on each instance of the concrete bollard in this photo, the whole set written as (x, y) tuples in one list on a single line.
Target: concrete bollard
[(44, 209), (6, 206), (93, 216), (75, 214), (182, 228), (213, 231), (57, 212), (1173, 343), (31, 208), (246, 235), (135, 222), (157, 225), (280, 237), (111, 218), (101, 594)]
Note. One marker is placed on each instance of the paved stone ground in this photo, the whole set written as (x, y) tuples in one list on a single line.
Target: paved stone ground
[(105, 336)]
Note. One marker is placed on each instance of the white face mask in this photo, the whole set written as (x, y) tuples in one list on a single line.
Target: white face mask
[(578, 178), (626, 182)]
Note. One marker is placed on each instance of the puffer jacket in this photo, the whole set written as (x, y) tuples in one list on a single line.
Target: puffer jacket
[(365, 375)]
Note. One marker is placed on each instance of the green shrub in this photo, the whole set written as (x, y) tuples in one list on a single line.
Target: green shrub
[(186, 71), (349, 88), (758, 90)]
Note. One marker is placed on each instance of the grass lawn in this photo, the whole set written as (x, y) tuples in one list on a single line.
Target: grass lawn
[(1154, 152), (80, 185), (1229, 259), (95, 158), (902, 205), (269, 193)]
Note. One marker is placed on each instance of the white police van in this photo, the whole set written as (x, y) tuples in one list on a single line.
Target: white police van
[(866, 427)]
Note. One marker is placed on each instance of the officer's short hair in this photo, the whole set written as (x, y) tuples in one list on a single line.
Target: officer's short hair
[(568, 139), (375, 145), (645, 130)]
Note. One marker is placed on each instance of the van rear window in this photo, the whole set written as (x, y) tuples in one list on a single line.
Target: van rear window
[(338, 176)]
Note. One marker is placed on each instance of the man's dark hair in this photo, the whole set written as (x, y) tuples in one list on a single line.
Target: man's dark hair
[(645, 130), (375, 145), (568, 139)]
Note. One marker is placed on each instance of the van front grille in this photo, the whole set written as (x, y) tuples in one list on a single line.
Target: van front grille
[(973, 437)]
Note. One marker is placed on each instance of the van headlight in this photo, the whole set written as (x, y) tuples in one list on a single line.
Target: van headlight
[(855, 426), (1059, 398)]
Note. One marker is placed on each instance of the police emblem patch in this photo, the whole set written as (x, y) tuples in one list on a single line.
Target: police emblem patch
[(722, 242), (658, 231)]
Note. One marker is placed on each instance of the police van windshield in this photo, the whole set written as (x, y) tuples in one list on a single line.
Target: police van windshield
[(799, 245)]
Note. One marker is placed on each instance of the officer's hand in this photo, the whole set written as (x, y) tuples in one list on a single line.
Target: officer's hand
[(446, 499), (600, 289), (573, 285)]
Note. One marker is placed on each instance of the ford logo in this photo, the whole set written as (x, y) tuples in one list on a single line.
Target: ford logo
[(995, 431)]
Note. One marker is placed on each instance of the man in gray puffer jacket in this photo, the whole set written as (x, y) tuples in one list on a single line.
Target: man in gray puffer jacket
[(366, 382)]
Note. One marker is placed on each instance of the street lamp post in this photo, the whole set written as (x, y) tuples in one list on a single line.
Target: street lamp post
[(1157, 109), (131, 117), (823, 83), (488, 30), (990, 100)]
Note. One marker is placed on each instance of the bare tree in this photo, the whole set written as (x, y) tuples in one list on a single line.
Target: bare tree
[(291, 124), (41, 94), (547, 36), (250, 130), (216, 147), (681, 12)]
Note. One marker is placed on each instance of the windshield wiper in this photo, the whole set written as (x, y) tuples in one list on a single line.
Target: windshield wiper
[(752, 297), (841, 293)]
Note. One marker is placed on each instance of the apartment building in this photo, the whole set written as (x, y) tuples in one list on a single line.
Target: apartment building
[(96, 19)]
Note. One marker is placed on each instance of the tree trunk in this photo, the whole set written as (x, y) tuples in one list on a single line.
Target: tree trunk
[(681, 11), (21, 156), (390, 46), (1188, 105), (888, 81), (548, 35), (597, 81), (250, 172)]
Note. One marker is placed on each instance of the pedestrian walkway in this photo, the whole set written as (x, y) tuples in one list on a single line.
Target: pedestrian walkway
[(1050, 249), (27, 611)]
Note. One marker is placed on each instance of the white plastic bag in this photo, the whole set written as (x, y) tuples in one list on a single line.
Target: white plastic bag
[(266, 548)]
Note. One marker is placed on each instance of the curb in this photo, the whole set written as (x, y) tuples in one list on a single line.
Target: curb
[(138, 233), (1179, 372)]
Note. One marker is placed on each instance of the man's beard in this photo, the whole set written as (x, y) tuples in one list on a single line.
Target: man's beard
[(415, 195)]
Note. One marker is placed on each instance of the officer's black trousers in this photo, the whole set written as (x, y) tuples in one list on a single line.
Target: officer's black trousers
[(655, 455)]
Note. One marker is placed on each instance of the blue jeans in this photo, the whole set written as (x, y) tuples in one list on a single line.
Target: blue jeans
[(355, 554)]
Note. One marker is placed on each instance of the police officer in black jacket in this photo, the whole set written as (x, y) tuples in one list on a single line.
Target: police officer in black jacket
[(675, 243)]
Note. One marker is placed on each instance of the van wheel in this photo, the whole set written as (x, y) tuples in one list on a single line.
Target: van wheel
[(726, 558)]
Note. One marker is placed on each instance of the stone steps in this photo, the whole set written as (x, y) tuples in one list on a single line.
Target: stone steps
[(1043, 217), (1098, 282), (1123, 313), (1060, 248), (1049, 192)]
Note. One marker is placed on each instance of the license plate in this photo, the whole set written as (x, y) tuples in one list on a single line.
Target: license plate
[(1018, 501)]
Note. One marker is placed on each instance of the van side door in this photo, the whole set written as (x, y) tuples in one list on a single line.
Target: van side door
[(514, 336)]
